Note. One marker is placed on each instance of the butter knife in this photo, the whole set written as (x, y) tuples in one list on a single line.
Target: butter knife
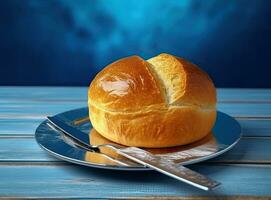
[(140, 156)]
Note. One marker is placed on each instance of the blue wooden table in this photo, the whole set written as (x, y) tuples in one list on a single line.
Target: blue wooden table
[(27, 171)]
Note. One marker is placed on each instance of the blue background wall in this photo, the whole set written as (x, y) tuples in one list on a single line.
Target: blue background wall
[(66, 42)]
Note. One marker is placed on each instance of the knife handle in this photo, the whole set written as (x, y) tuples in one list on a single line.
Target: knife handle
[(166, 167)]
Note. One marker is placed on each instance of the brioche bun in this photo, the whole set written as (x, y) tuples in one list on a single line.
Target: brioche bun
[(161, 102)]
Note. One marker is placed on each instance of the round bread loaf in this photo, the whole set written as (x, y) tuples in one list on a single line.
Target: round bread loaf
[(162, 102)]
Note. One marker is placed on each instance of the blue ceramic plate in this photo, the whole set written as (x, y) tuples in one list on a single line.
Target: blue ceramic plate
[(225, 134)]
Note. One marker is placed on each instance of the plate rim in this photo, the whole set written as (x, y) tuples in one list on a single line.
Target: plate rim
[(127, 168)]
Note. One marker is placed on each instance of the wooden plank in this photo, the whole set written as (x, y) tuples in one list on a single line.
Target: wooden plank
[(41, 109), (19, 126), (243, 95), (82, 182), (22, 150), (15, 103), (255, 128), (27, 126), (251, 110), (17, 93), (248, 150)]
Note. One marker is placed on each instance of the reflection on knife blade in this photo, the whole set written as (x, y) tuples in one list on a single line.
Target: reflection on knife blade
[(177, 155), (99, 158), (140, 156)]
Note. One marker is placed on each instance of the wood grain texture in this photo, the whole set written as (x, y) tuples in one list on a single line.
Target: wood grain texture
[(42, 109), (22, 126), (255, 127), (248, 150), (246, 110), (244, 95), (41, 94), (81, 182), (80, 94), (28, 171), (33, 103)]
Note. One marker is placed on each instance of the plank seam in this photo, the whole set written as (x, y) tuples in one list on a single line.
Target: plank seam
[(63, 163)]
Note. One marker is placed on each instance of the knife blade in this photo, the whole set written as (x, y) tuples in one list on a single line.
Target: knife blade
[(143, 157)]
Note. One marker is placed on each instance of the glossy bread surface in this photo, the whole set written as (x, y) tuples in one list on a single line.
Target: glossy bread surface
[(165, 101), (126, 84)]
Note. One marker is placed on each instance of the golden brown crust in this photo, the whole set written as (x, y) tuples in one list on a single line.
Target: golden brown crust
[(167, 128), (126, 84), (185, 82), (97, 139), (165, 101)]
